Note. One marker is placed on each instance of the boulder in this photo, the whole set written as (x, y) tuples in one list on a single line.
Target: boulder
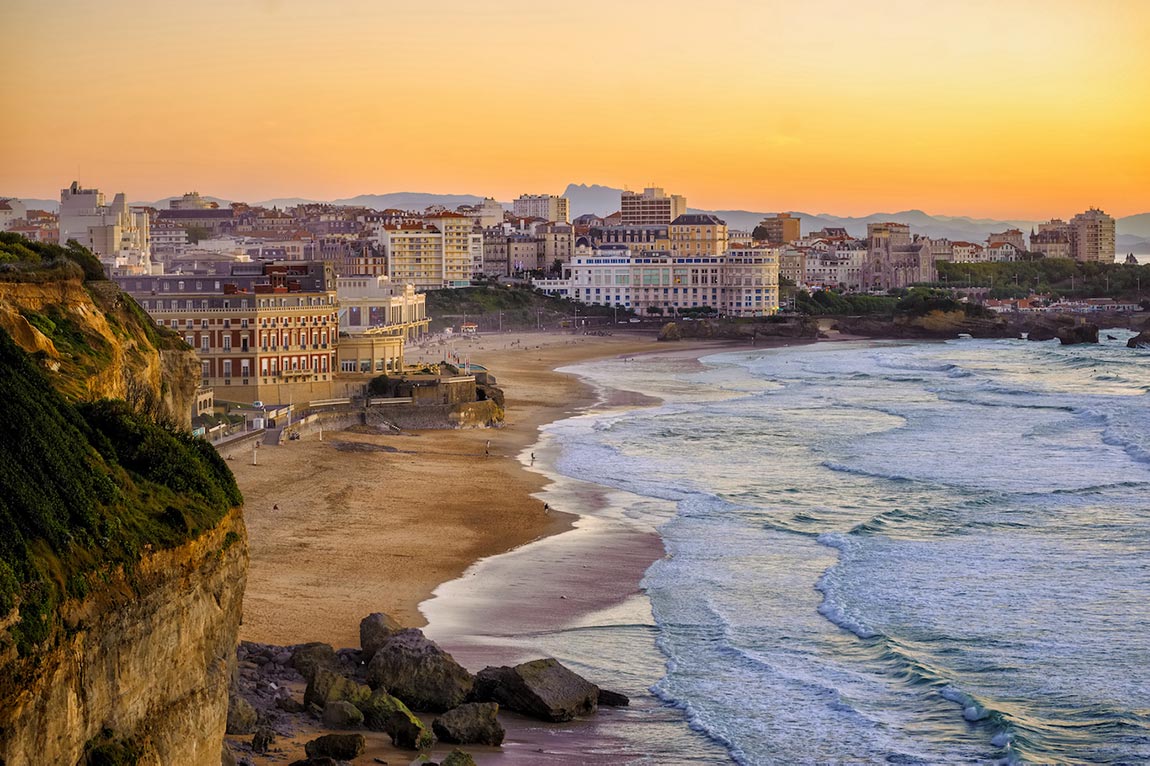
[(263, 739), (542, 689), (242, 716), (457, 758), (328, 686), (670, 331), (340, 714), (342, 747), (374, 630), (226, 757), (1082, 333), (383, 712), (613, 699), (414, 669), (473, 723), (1141, 340), (308, 657), (289, 704)]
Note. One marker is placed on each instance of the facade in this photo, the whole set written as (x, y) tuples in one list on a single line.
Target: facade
[(653, 207), (895, 259), (11, 210), (1052, 240), (781, 229), (1091, 236), (548, 207), (263, 331), (637, 239), (1013, 236), (191, 201), (118, 236), (740, 282), (373, 303), (838, 265), (443, 250), (698, 234)]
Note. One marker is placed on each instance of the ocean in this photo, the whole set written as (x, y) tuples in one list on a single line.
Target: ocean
[(879, 552)]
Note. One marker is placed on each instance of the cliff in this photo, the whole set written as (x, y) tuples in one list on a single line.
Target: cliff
[(95, 342), (122, 548)]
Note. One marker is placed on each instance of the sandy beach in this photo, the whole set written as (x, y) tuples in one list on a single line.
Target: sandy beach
[(362, 523)]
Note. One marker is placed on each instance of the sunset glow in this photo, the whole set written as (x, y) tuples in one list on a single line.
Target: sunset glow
[(1004, 108)]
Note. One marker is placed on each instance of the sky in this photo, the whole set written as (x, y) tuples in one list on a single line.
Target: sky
[(1021, 109)]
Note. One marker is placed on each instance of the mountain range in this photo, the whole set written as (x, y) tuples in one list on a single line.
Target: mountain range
[(1132, 232)]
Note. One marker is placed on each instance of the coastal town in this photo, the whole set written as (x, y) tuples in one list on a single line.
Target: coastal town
[(307, 303)]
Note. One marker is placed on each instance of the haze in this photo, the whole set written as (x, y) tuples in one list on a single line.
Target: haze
[(1010, 109)]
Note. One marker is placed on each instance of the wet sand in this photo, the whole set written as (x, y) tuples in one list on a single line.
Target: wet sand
[(379, 530), (357, 532)]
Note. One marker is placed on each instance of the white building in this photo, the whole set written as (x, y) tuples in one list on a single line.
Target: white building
[(740, 282), (375, 303), (549, 207), (835, 264), (11, 210), (118, 236)]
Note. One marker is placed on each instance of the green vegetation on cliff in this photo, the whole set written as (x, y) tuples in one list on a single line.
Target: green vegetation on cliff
[(915, 302), (1060, 277), (511, 307), (87, 487), (25, 260)]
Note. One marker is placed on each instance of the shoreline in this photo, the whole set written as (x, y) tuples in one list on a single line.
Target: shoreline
[(360, 522), (333, 551)]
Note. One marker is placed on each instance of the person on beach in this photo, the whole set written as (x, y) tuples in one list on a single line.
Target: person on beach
[(275, 506)]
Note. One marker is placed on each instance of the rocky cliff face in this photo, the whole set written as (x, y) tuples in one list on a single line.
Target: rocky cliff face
[(147, 659), (123, 553), (96, 343)]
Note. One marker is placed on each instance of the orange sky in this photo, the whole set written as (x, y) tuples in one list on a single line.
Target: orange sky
[(1003, 108)]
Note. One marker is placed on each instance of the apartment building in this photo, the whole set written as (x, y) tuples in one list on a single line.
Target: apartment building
[(120, 237), (780, 229), (652, 207), (548, 207), (1091, 236), (441, 250)]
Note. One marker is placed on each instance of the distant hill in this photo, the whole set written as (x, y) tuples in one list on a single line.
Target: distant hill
[(593, 199), (50, 205), (1133, 232)]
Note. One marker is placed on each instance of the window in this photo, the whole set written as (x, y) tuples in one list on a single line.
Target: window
[(227, 342)]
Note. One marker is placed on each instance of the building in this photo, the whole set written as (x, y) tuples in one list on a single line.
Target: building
[(192, 201), (11, 210), (1052, 240), (209, 222), (637, 239), (650, 208), (373, 303), (1013, 236), (698, 234), (264, 331), (895, 259), (740, 282), (1091, 236), (118, 236), (780, 229), (441, 250), (836, 264), (548, 207)]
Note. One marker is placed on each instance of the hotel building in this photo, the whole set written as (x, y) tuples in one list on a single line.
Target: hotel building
[(652, 207), (264, 331)]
